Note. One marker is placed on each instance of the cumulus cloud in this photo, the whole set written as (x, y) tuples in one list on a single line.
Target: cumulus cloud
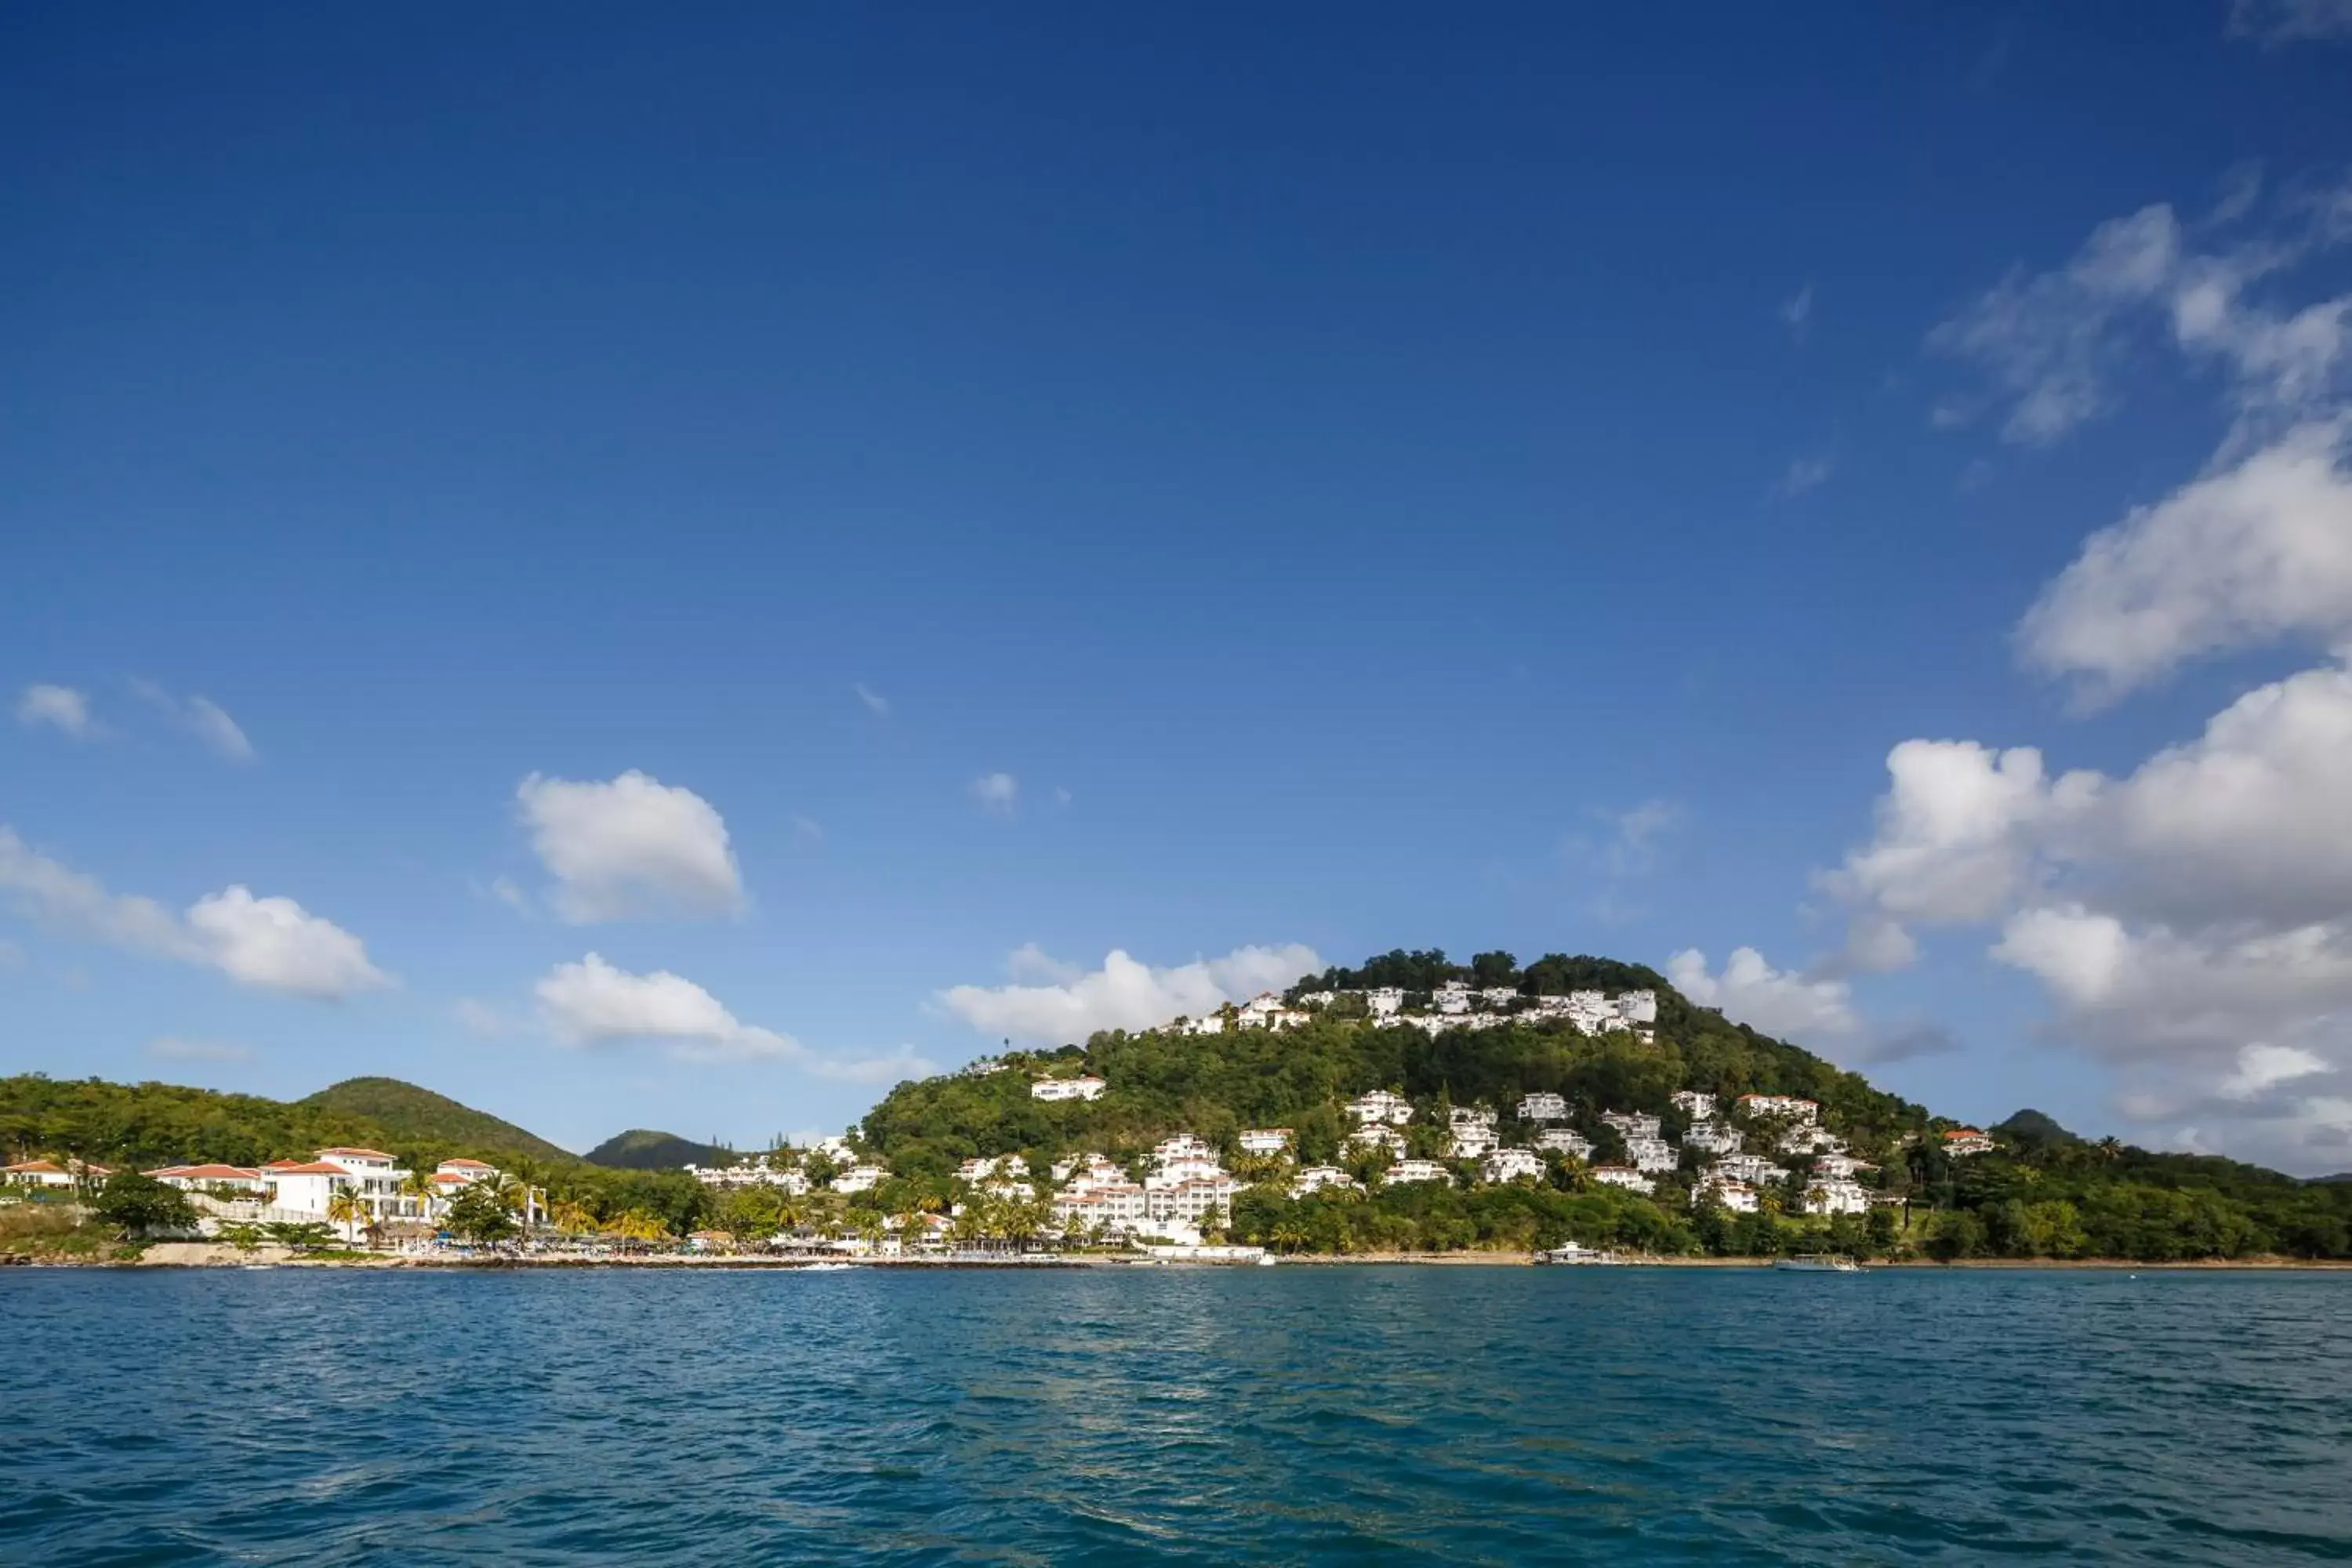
[(631, 847), (172, 1048), (201, 717), (2255, 553), (2054, 346), (998, 793), (1772, 1001), (593, 1002), (60, 708), (1124, 994), (2275, 22), (269, 944)]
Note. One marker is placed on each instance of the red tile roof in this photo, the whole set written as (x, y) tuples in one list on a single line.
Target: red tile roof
[(316, 1168), (35, 1168), (362, 1153), (467, 1164)]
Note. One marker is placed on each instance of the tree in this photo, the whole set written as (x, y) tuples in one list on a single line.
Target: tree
[(140, 1206), (349, 1209), (419, 1188), (479, 1214)]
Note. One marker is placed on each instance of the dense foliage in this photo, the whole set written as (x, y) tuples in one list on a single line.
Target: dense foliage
[(2044, 1194), (643, 1148), (413, 1115)]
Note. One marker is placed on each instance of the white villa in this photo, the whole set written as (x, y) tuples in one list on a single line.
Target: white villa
[(1713, 1138), (1472, 1140), (1968, 1140), (1082, 1171), (1511, 1165), (1692, 1104), (1265, 1140), (40, 1173), (1005, 1176), (212, 1178), (862, 1178), (1746, 1168), (1463, 1116), (1384, 1001), (781, 1170), (1565, 1140), (1405, 1171), (1111, 1207), (1387, 1139), (1631, 1124), (1543, 1108), (1779, 1105), (1318, 1178), (1623, 1177), (1737, 1196), (1380, 1106), (1810, 1139), (1265, 1010), (1839, 1167), (1837, 1198), (1652, 1154), (1086, 1087)]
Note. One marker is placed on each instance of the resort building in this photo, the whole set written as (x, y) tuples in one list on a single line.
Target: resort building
[(1810, 1139), (1968, 1140), (1692, 1104), (1192, 1201), (1500, 996), (467, 1172), (1005, 1176), (1386, 1139), (1265, 1140), (1112, 1208), (1737, 1196), (1405, 1171), (1380, 1106), (1789, 1105), (1384, 1001), (1207, 1024), (1837, 1167), (1543, 1108), (1087, 1088), (1631, 1124), (1652, 1154), (1837, 1198), (1323, 1178), (302, 1189), (860, 1178), (1753, 1168), (1471, 1141), (1511, 1165), (1623, 1177), (1452, 997), (1265, 1010), (1088, 1169), (1712, 1137), (1463, 1116), (37, 1174), (1565, 1140), (208, 1178)]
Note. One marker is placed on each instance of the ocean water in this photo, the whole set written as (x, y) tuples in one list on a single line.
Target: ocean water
[(1293, 1416)]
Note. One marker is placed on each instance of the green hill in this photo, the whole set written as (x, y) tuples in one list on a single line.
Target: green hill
[(413, 1115), (643, 1149)]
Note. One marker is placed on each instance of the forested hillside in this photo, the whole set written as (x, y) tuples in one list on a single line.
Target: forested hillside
[(410, 1115), (643, 1148)]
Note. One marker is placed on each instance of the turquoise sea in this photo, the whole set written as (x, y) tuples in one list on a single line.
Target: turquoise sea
[(1294, 1416)]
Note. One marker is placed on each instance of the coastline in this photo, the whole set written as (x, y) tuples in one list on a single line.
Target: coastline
[(220, 1256)]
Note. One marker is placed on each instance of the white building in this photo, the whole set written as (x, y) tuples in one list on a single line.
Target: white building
[(303, 1189), (1380, 1106), (1511, 1165), (1839, 1167), (1115, 1207), (1266, 1010), (1631, 1124), (1193, 1199), (208, 1178), (1837, 1198), (1638, 1008), (1503, 997), (1713, 1138), (1265, 1140), (1384, 1001), (1405, 1171), (37, 1174), (1752, 1168), (1652, 1154), (1737, 1196), (1624, 1176), (983, 1066), (1789, 1105), (1471, 1141), (1810, 1139), (1565, 1140), (1087, 1088), (1543, 1108), (1207, 1024), (1968, 1140), (1323, 1178), (1082, 1171), (1386, 1139), (861, 1177), (1692, 1104), (1463, 1116), (1452, 997)]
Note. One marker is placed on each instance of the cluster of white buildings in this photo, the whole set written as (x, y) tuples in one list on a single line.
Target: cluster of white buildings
[(1186, 1190), (787, 1169), (290, 1191), (1455, 1004), (1085, 1087)]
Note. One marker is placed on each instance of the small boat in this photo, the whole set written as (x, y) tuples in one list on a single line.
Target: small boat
[(1818, 1263), (1267, 1260), (1585, 1256), (824, 1268)]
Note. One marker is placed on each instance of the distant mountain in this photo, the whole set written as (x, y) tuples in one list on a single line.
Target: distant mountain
[(2034, 1128), (413, 1115), (643, 1148)]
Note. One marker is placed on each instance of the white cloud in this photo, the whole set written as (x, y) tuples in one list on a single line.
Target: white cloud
[(632, 847), (1124, 994), (2236, 559), (172, 1048), (1771, 1000), (1803, 474), (998, 793), (1632, 849), (594, 1002), (59, 707), (2274, 22), (807, 830), (2263, 1068), (278, 946), (481, 1019), (272, 943), (1796, 311), (1030, 963), (201, 717), (875, 703)]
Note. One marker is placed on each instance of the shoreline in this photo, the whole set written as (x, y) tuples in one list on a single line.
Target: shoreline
[(219, 1256)]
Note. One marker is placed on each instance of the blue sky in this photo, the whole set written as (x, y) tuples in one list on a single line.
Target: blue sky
[(1356, 477)]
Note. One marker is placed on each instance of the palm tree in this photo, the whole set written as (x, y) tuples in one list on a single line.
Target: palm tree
[(350, 1210), (1289, 1237), (573, 1218), (419, 1186)]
